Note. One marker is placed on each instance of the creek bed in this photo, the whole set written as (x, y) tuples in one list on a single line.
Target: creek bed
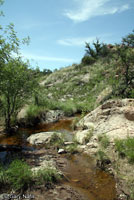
[(80, 170)]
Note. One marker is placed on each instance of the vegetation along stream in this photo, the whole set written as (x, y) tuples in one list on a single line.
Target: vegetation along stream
[(80, 170)]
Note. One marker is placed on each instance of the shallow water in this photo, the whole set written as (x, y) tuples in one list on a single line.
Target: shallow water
[(94, 183), (80, 170)]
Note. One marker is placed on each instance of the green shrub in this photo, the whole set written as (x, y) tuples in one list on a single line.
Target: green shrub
[(72, 148), (89, 135), (68, 107), (57, 140), (101, 155), (125, 147), (88, 60), (3, 176), (19, 175), (104, 140), (33, 111), (48, 175)]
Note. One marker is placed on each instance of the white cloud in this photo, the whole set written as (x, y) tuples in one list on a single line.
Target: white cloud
[(75, 41), (45, 58), (87, 9), (81, 40)]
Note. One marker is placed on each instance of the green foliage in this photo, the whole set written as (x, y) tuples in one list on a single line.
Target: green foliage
[(73, 148), (89, 135), (47, 175), (129, 40), (98, 50), (16, 85), (104, 140), (3, 176), (88, 60), (19, 175), (124, 71), (33, 111), (101, 155), (57, 140), (125, 147)]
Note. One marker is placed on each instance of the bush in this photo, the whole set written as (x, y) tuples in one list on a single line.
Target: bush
[(57, 140), (19, 175), (73, 148), (89, 135), (101, 155), (104, 140), (48, 175), (88, 60), (125, 147)]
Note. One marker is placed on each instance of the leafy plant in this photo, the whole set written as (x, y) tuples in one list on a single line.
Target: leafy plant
[(57, 140), (48, 175), (104, 140), (19, 175), (89, 135), (125, 147), (72, 148)]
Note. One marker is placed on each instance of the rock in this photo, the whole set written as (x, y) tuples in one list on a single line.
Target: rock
[(60, 151), (103, 95), (68, 143), (81, 135), (129, 114), (114, 117), (4, 196), (53, 116), (41, 138), (92, 145)]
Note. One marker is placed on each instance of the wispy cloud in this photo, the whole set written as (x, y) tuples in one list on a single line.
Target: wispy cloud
[(80, 41), (45, 58), (86, 9)]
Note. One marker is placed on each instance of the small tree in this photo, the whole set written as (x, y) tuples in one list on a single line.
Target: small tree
[(129, 40), (98, 50), (125, 55), (15, 87)]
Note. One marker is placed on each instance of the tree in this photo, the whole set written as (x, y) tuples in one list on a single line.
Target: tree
[(129, 40), (16, 85), (98, 50), (16, 80), (125, 54)]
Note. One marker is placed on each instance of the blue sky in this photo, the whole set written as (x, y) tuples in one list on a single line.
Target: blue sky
[(59, 28)]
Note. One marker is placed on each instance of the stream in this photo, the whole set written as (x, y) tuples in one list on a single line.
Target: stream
[(80, 170)]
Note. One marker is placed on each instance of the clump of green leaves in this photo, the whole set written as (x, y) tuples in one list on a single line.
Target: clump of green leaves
[(48, 175), (72, 148), (104, 140), (19, 175), (101, 155), (125, 148), (89, 135), (57, 140)]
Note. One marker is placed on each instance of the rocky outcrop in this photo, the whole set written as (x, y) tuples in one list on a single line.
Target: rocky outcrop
[(41, 138), (43, 117), (115, 118)]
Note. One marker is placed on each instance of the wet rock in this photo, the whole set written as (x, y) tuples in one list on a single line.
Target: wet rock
[(61, 151)]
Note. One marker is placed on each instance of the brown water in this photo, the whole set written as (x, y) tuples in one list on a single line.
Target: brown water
[(94, 183), (80, 170)]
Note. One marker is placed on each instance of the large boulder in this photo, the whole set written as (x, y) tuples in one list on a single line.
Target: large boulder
[(41, 138), (115, 118)]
